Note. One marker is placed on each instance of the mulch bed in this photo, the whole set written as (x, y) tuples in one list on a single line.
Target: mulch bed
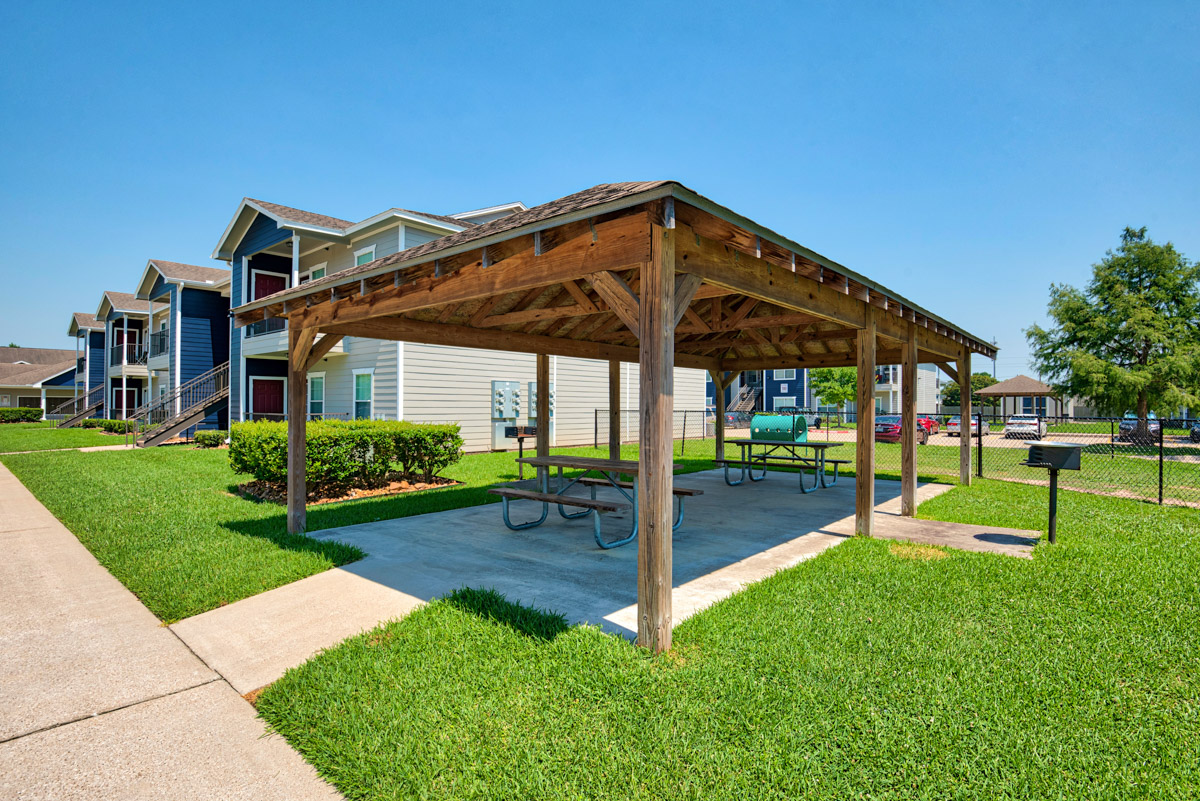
[(396, 484)]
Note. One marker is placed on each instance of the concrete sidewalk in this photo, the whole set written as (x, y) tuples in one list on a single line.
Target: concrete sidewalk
[(98, 700)]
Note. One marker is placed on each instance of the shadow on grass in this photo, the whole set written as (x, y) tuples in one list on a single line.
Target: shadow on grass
[(492, 606)]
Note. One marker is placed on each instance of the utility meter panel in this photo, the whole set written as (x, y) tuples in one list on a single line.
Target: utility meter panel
[(533, 421), (506, 408)]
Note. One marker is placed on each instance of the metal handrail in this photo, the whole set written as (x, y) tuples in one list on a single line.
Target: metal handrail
[(127, 353), (159, 342), (80, 402), (184, 399)]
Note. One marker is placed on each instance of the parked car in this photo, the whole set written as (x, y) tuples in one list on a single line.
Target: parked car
[(1194, 432), (1127, 429), (954, 424), (737, 419), (887, 429), (1025, 426), (929, 424)]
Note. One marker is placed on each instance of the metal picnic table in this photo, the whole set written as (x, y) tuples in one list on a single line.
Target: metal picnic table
[(784, 452), (609, 470)]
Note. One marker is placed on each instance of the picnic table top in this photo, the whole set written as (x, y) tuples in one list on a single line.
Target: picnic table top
[(817, 445), (627, 466)]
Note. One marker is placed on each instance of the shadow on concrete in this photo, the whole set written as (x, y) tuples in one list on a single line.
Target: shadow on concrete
[(1007, 539)]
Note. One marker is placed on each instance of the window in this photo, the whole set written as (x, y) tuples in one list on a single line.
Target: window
[(5, 400), (364, 395), (313, 273), (316, 395), (363, 256), (785, 375), (1030, 405), (785, 403)]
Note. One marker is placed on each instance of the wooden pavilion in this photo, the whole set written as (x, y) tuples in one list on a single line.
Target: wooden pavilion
[(652, 273), (1017, 387)]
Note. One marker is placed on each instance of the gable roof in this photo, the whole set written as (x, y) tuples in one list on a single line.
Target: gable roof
[(120, 301), (289, 214), (26, 375), (585, 205), (174, 271), (321, 225), (1017, 385), (82, 321)]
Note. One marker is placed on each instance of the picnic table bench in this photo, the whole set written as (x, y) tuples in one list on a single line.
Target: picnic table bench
[(609, 472), (783, 454)]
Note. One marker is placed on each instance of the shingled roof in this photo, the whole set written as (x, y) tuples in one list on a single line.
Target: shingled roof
[(126, 302), (190, 272), (1018, 386), (300, 216), (35, 355), (87, 321), (30, 375)]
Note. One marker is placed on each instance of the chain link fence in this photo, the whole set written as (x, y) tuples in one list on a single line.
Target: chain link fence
[(688, 425)]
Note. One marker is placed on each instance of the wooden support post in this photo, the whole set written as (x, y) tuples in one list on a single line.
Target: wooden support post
[(908, 424), (299, 343), (614, 409), (864, 467), (655, 463), (543, 413), (719, 386), (964, 429)]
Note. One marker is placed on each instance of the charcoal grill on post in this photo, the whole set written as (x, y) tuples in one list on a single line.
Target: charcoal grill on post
[(519, 433), (1053, 456)]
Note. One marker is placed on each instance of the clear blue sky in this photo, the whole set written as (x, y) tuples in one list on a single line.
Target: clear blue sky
[(964, 154)]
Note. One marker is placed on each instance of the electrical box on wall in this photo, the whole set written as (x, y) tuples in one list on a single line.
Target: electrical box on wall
[(506, 408), (533, 421)]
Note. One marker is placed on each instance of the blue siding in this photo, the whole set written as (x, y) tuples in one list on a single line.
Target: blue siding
[(262, 233), (204, 338), (65, 380), (96, 359), (160, 288)]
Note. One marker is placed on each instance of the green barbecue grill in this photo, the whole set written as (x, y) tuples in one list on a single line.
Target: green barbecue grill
[(779, 427)]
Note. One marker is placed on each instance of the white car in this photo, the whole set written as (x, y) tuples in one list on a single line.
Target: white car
[(954, 426), (1025, 426)]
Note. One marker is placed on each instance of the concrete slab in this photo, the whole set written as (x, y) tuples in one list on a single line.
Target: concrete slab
[(732, 536), (202, 744), (73, 641)]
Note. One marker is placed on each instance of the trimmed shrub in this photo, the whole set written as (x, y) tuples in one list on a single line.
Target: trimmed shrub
[(210, 438), (22, 414), (355, 453)]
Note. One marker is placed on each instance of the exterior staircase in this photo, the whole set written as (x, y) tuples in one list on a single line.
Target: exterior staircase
[(746, 400), (176, 411), (79, 408)]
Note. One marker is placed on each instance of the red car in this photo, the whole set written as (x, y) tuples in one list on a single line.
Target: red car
[(929, 424), (887, 429)]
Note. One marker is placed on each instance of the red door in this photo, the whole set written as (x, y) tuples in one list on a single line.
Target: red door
[(267, 399), (267, 284)]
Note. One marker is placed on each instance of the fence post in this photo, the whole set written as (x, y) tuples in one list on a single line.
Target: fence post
[(683, 438), (1162, 432), (595, 428), (979, 455), (1112, 438)]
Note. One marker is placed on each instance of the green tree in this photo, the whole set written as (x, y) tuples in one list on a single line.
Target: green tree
[(13, 345), (835, 386), (1131, 338), (952, 392)]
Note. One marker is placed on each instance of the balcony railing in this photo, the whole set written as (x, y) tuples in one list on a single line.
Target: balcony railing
[(159, 343), (272, 325), (79, 365), (128, 353)]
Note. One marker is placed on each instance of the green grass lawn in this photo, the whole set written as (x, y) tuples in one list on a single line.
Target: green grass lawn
[(167, 522), (872, 671), (43, 436)]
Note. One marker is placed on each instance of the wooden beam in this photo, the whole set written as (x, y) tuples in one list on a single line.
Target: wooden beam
[(320, 348), (614, 409), (686, 286), (297, 406), (655, 463), (696, 320), (405, 329), (964, 428), (619, 244), (864, 467), (908, 426), (719, 387), (951, 371), (619, 297), (581, 297)]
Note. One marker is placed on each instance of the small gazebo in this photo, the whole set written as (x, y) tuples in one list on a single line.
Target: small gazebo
[(651, 273), (1021, 386)]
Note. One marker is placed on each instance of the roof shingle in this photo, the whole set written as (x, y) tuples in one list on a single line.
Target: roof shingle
[(301, 216), (87, 321), (191, 272)]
